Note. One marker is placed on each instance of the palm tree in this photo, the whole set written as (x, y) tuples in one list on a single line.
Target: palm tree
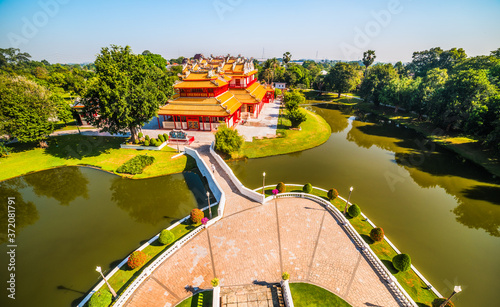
[(287, 56), (368, 58)]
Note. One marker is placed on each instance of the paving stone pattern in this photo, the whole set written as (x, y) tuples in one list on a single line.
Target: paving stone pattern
[(255, 243)]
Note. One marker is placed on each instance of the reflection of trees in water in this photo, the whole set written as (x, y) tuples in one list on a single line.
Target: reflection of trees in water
[(63, 184), (26, 212), (150, 201), (429, 166), (335, 118)]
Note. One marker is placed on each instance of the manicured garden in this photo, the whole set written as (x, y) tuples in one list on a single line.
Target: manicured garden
[(409, 280), (138, 260), (314, 132), (203, 299), (307, 295), (75, 149)]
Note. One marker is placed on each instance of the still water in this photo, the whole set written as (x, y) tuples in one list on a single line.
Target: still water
[(71, 219), (434, 205)]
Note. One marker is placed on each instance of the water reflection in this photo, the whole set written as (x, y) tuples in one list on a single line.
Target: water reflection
[(63, 184), (26, 212)]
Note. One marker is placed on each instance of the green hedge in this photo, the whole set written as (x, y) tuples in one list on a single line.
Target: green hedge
[(354, 210), (101, 299), (136, 165), (402, 262)]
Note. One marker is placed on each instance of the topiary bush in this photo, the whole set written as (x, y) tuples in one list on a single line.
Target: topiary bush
[(281, 187), (402, 262), (147, 138), (438, 301), (166, 237), (196, 216), (332, 194), (146, 143), (215, 282), (161, 138), (165, 136), (136, 165), (101, 299), (307, 188), (354, 210), (140, 135), (136, 141), (285, 276), (377, 234), (137, 259)]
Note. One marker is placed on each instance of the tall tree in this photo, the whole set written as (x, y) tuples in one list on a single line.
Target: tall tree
[(126, 92), (26, 109), (287, 56), (496, 53), (342, 78), (368, 59), (372, 84)]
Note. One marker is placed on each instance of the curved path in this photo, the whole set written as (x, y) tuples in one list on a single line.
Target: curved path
[(255, 242)]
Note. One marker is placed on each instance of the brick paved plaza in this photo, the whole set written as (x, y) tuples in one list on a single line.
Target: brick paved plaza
[(256, 243)]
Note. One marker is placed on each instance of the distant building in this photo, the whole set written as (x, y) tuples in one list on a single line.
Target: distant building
[(280, 85)]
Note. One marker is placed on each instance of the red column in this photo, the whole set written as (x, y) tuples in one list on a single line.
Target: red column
[(158, 119)]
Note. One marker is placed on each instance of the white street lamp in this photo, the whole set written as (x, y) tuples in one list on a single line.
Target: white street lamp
[(209, 208), (98, 269), (263, 185), (348, 198), (456, 290)]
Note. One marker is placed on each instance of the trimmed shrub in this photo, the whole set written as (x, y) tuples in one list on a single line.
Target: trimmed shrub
[(402, 262), (214, 282), (281, 187), (165, 136), (438, 301), (166, 237), (101, 299), (227, 140), (147, 138), (136, 141), (161, 138), (140, 135), (332, 194), (146, 143), (296, 117), (285, 276), (196, 216), (307, 188), (377, 234), (136, 165), (137, 259), (354, 210)]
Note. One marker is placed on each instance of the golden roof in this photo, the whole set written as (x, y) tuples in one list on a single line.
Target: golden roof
[(253, 94), (223, 105), (201, 84), (199, 75)]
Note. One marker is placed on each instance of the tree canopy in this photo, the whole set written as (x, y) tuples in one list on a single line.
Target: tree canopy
[(342, 78), (126, 92)]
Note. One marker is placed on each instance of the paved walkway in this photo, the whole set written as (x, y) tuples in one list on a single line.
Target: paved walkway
[(255, 243), (264, 126), (254, 295)]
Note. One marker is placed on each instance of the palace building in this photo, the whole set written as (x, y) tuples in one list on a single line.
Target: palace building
[(214, 91)]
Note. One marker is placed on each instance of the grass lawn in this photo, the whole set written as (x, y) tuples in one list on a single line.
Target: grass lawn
[(101, 152), (315, 131), (205, 298), (413, 285), (307, 295)]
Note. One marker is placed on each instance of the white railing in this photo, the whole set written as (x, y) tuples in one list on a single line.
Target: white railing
[(397, 290), (287, 294), (241, 188), (216, 297), (221, 201)]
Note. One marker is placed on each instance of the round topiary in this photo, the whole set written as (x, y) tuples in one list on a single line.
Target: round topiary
[(281, 187), (438, 301), (137, 259), (146, 143), (354, 210), (166, 237), (377, 234), (101, 299), (147, 137), (165, 136), (140, 135), (161, 138), (332, 194), (307, 188), (402, 262), (285, 276), (196, 216), (136, 141), (215, 282)]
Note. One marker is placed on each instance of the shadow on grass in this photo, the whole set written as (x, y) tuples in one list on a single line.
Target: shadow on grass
[(388, 264), (77, 146), (367, 239)]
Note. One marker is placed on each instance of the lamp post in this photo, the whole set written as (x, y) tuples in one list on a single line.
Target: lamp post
[(456, 290), (263, 186), (348, 198), (209, 208), (98, 269)]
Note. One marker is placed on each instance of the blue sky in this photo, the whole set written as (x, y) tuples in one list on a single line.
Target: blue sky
[(71, 31)]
